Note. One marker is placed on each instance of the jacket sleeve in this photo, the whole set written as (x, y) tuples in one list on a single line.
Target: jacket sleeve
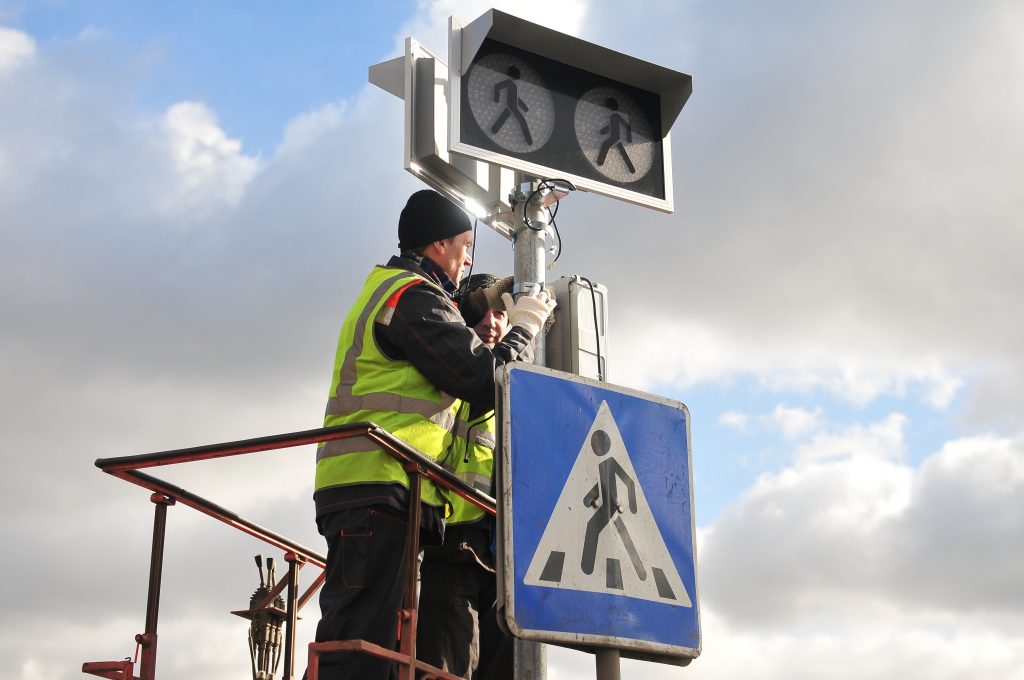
[(427, 330)]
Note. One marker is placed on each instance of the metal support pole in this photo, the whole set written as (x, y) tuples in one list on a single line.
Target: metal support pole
[(608, 664), (530, 658), (147, 640), (529, 249), (294, 564), (407, 615)]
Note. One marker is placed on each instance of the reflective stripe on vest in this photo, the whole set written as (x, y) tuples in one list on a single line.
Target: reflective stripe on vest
[(473, 463), (368, 386)]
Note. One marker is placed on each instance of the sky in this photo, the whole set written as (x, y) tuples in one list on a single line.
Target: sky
[(192, 193)]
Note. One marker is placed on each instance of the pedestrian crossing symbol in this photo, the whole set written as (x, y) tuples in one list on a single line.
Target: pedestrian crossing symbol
[(595, 518), (602, 536)]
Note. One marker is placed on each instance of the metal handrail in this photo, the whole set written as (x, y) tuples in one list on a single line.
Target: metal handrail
[(416, 464)]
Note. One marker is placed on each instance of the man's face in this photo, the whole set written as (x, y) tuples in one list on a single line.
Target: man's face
[(492, 327), (453, 255)]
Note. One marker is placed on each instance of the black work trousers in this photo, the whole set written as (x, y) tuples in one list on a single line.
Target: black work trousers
[(458, 627), (363, 589)]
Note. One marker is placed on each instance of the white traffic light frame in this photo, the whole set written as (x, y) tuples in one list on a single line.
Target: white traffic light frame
[(420, 79)]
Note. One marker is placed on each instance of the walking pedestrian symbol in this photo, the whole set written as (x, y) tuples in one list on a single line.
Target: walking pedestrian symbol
[(513, 102), (510, 102), (614, 134), (615, 127), (602, 536)]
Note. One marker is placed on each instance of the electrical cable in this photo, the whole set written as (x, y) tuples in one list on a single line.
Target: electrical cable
[(597, 330), (472, 263), (555, 211), (469, 433), (551, 184), (446, 456), (472, 255), (558, 235)]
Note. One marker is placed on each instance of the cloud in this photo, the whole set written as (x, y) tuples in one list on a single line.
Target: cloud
[(212, 171), (850, 531), (307, 128), (902, 647), (666, 352), (882, 440), (844, 223), (16, 48), (733, 419), (960, 555), (430, 25), (795, 422), (162, 289)]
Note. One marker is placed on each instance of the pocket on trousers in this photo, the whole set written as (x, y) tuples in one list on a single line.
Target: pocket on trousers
[(354, 539)]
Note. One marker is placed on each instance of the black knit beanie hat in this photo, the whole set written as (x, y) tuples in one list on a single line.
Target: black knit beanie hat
[(427, 217)]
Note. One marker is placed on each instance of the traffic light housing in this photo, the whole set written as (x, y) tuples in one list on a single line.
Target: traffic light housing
[(551, 105)]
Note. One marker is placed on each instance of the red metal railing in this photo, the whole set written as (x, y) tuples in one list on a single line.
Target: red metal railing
[(416, 464)]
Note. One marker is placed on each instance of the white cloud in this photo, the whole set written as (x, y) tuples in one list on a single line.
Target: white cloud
[(899, 648), (849, 532), (795, 422), (701, 352), (16, 48), (734, 419), (430, 26), (307, 128), (882, 440), (954, 549), (938, 649), (1003, 474), (212, 170)]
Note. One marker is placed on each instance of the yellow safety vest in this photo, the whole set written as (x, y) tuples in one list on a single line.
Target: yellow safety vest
[(473, 463), (393, 394)]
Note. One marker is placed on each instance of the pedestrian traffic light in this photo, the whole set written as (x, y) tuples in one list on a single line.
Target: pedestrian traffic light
[(551, 105)]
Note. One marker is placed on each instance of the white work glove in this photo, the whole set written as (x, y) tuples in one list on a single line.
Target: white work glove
[(529, 311)]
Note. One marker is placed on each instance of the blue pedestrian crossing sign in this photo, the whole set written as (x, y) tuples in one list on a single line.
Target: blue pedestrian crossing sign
[(596, 516)]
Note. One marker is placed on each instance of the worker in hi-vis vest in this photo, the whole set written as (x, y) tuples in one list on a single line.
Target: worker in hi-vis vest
[(407, 361), (458, 628)]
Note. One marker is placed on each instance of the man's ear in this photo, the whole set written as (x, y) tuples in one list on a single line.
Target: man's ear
[(435, 248)]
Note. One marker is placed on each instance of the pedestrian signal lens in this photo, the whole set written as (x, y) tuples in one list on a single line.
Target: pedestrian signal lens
[(557, 116)]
